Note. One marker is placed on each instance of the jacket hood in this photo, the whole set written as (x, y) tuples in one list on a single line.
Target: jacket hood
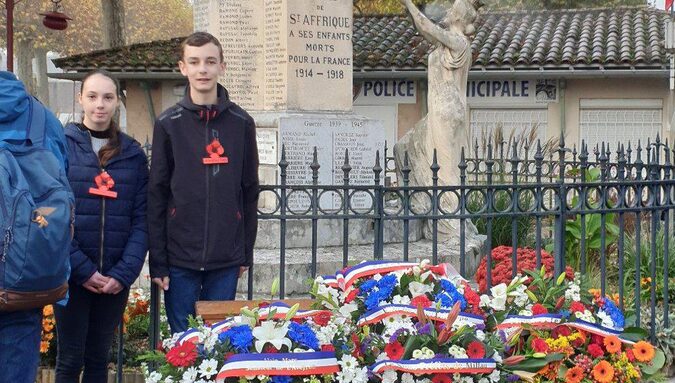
[(221, 105), (14, 100), (78, 132)]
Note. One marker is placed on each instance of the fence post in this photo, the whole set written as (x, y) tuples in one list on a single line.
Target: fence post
[(489, 163), (434, 207), (346, 168), (539, 201), (583, 195), (603, 219), (406, 205), (621, 175), (378, 210), (559, 264), (283, 165), (514, 209), (638, 231), (315, 208), (462, 210), (666, 234)]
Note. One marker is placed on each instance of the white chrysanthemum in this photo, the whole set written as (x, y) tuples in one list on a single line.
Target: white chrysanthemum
[(497, 358), (466, 379), (209, 338), (389, 376), (495, 376), (154, 377), (480, 335), (208, 368), (407, 378), (169, 343), (585, 316), (325, 334), (605, 319), (484, 380), (395, 323), (400, 300), (189, 376), (169, 379), (350, 371), (457, 352)]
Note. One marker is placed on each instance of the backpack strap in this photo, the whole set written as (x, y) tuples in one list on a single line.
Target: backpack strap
[(36, 129)]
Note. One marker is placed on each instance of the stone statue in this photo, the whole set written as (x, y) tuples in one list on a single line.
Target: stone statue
[(445, 127)]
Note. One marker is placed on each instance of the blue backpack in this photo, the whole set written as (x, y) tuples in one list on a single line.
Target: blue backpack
[(36, 216)]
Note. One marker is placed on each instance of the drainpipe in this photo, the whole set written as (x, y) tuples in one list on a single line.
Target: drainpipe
[(563, 86)]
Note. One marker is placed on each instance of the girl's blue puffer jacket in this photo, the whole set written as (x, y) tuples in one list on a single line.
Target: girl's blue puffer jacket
[(110, 234)]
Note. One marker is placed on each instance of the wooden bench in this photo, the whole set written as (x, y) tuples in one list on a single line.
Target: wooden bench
[(214, 311)]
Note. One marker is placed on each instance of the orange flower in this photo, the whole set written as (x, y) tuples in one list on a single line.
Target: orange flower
[(574, 375), (603, 372), (645, 282), (44, 347), (643, 351), (48, 310), (612, 344)]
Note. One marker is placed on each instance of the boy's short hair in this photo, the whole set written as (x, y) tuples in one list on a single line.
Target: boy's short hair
[(199, 39)]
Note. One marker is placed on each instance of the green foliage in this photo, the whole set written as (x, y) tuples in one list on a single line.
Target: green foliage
[(632, 260), (594, 230), (501, 225)]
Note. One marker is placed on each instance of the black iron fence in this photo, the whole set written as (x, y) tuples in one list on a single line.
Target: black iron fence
[(606, 212)]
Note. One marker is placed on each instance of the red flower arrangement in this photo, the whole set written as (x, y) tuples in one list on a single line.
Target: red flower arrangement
[(441, 378), (502, 270), (475, 350), (394, 350), (182, 355)]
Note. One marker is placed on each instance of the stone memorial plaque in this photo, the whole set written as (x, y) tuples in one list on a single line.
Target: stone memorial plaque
[(267, 146), (283, 54), (362, 137)]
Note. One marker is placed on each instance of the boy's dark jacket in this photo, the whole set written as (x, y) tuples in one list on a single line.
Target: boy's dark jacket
[(124, 227), (202, 217)]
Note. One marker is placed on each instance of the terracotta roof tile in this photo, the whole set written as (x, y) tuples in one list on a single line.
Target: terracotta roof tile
[(616, 37)]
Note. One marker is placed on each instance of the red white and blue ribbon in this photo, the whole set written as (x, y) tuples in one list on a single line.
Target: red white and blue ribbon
[(350, 275), (286, 364), (597, 330), (191, 335), (280, 309), (541, 321), (439, 315), (436, 366), (331, 281), (222, 326)]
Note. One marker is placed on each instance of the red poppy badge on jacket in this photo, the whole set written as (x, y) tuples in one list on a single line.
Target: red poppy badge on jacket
[(215, 151), (104, 184)]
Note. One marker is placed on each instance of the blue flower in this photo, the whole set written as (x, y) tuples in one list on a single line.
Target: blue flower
[(614, 313), (239, 337), (565, 313), (281, 379), (366, 286), (447, 300), (303, 335)]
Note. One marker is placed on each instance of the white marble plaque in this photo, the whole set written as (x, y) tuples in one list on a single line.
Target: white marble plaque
[(267, 146), (331, 136)]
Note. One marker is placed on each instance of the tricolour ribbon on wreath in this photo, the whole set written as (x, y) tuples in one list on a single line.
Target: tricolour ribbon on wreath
[(436, 366), (439, 315), (284, 364), (349, 276), (541, 321), (550, 321)]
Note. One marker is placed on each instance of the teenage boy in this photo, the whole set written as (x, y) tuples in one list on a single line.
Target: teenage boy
[(203, 189)]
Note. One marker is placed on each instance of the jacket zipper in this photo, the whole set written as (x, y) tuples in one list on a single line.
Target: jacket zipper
[(208, 198), (8, 237), (102, 234)]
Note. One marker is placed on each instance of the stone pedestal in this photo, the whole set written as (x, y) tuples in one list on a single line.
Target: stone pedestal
[(283, 54)]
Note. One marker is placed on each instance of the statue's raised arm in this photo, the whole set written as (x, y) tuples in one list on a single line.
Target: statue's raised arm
[(451, 38)]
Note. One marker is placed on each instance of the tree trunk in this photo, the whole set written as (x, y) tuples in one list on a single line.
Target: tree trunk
[(113, 23), (42, 79), (24, 57)]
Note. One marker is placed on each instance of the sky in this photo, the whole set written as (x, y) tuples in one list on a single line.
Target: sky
[(658, 3)]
